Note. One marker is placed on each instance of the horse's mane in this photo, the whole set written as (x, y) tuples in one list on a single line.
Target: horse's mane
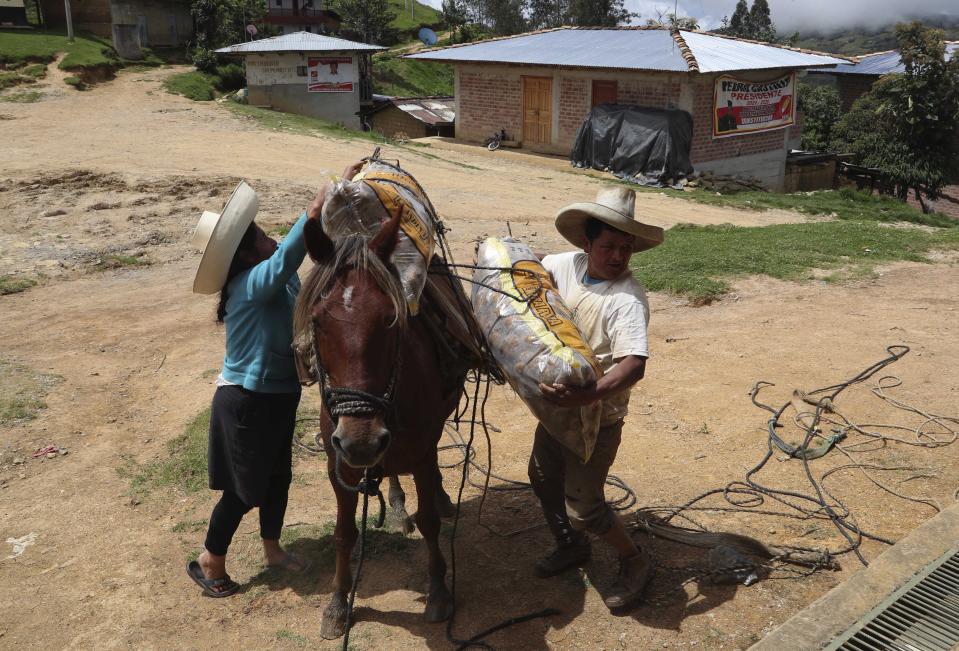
[(350, 251)]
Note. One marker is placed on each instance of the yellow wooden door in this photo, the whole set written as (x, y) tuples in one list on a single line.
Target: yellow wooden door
[(537, 109)]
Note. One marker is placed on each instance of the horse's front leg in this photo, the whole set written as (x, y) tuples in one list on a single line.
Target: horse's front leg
[(345, 534), (399, 518), (439, 601)]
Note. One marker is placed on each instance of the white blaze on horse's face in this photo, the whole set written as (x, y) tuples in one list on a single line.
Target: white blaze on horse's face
[(348, 297)]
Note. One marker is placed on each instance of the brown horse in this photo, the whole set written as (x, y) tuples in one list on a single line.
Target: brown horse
[(384, 402)]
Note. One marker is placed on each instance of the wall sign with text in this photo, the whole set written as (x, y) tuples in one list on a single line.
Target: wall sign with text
[(743, 106), (330, 75)]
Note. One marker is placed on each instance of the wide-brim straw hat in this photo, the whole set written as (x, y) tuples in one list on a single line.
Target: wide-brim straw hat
[(614, 205), (218, 235)]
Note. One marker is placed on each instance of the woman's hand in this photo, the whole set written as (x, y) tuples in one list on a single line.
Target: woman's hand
[(315, 208)]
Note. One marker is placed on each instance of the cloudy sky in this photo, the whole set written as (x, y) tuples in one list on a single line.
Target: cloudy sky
[(802, 15)]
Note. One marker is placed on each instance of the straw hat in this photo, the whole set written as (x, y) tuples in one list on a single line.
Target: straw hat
[(614, 205), (219, 235)]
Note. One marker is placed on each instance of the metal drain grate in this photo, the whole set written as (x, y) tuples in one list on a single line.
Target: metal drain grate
[(923, 615)]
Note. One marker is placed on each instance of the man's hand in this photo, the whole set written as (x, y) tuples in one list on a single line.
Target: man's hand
[(566, 395), (352, 170)]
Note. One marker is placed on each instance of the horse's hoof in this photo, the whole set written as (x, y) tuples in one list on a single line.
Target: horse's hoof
[(439, 605), (445, 505), (334, 620), (399, 520)]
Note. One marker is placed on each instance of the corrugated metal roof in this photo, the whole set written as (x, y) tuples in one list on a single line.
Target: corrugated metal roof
[(629, 49), (719, 54), (883, 63), (299, 42), (431, 110)]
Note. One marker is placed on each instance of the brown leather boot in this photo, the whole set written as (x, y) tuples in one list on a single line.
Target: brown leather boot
[(634, 574), (574, 554)]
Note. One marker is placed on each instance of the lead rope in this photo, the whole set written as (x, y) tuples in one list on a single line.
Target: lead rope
[(369, 485)]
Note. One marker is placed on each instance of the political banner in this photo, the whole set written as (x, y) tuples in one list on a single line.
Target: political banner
[(330, 75), (743, 106)]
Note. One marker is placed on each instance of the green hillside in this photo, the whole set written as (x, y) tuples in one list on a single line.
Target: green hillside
[(422, 15), (861, 41), (399, 77)]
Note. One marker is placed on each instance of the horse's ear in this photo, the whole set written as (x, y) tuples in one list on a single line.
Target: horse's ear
[(384, 241), (318, 244)]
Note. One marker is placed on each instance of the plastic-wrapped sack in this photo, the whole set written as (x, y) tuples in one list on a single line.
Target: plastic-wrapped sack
[(376, 194), (535, 340)]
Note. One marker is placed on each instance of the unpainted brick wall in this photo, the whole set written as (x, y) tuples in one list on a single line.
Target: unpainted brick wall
[(573, 107), (392, 120), (852, 87), (705, 148), (488, 102)]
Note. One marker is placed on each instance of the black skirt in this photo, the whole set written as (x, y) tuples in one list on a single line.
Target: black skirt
[(251, 441)]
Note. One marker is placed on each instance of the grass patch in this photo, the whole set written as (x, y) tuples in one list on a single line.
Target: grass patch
[(289, 636), (190, 525), (697, 261), (301, 124), (15, 284), (185, 468), (34, 70), (116, 261), (22, 391), (846, 203), (399, 77), (195, 85), (76, 82), (23, 97)]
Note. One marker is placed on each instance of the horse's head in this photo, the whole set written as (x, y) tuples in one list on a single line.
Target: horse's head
[(356, 305)]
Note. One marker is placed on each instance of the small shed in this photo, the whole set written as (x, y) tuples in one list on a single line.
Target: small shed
[(310, 74), (13, 13), (855, 79), (541, 85), (415, 117)]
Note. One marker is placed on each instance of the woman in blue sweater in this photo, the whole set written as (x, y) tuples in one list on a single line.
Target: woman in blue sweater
[(254, 407)]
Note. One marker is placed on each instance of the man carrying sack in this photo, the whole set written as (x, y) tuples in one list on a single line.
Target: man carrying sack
[(609, 306)]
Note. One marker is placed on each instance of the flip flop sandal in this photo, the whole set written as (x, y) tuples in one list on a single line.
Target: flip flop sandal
[(289, 562), (216, 588)]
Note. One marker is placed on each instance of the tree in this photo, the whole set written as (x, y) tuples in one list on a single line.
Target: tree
[(672, 21), (755, 23), (907, 124), (219, 23), (369, 21), (547, 14), (821, 111), (739, 23), (500, 17), (454, 17), (598, 13)]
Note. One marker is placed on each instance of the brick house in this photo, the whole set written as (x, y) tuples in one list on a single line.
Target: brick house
[(540, 86), (154, 23), (413, 117), (853, 80)]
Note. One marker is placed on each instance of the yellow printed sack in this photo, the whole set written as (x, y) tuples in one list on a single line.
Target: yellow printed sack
[(533, 338), (379, 192)]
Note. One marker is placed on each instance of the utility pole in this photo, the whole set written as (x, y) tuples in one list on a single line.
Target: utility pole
[(69, 16)]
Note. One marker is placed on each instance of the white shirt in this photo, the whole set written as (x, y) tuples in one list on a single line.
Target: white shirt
[(613, 316)]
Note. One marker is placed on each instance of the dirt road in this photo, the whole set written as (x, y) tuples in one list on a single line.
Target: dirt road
[(128, 357)]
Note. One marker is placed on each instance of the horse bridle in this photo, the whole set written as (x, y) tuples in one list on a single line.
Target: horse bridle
[(346, 401)]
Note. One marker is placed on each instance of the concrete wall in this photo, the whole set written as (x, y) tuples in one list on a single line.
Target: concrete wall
[(88, 16), (489, 97), (163, 24), (273, 79)]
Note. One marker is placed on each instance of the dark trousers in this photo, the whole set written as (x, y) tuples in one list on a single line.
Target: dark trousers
[(230, 510), (572, 492), (250, 459)]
